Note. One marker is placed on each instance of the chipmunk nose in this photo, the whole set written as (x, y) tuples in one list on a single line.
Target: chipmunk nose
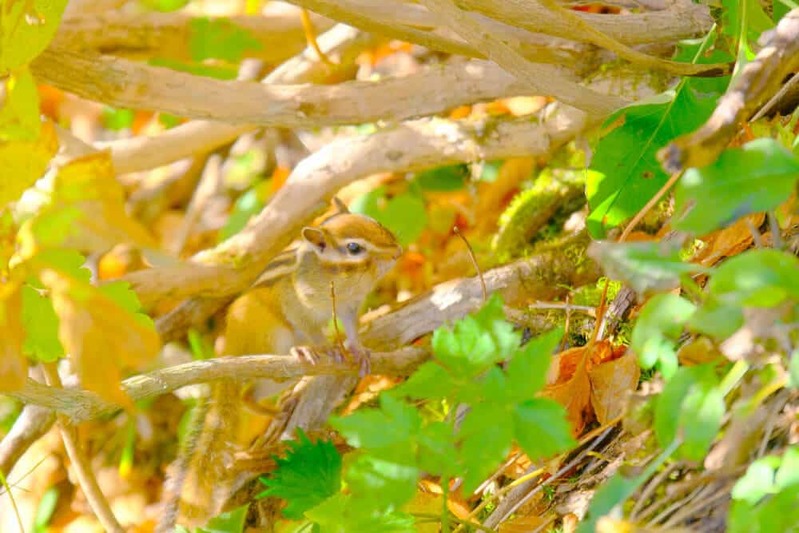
[(397, 252)]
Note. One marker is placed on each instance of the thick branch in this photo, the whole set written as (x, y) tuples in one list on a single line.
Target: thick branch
[(123, 83), (681, 20), (278, 34), (509, 58), (146, 152), (234, 264), (80, 405), (544, 275), (414, 23)]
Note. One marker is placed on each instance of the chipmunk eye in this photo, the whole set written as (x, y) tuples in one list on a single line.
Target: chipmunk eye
[(354, 248)]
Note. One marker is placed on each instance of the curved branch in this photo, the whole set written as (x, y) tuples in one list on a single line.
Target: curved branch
[(124, 83), (146, 152), (80, 406), (276, 35), (231, 266)]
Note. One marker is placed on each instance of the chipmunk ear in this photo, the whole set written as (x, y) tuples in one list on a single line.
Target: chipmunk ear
[(341, 207), (315, 236)]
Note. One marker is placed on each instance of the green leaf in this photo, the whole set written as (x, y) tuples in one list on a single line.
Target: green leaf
[(610, 494), (541, 428), (344, 514), (527, 371), (26, 28), (19, 114), (228, 522), (437, 453), (657, 329), (476, 342), (430, 381), (309, 474), (383, 484), (645, 266), (486, 435), (716, 320), (218, 38), (765, 498), (404, 214), (449, 178), (41, 326), (758, 481), (627, 173), (23, 162), (45, 509), (700, 418), (388, 430), (670, 405), (756, 278), (788, 474), (756, 177)]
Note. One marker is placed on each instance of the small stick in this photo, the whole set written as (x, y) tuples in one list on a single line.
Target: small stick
[(474, 261), (310, 36), (86, 479)]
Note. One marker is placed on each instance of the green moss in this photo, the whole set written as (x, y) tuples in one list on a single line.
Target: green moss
[(527, 218)]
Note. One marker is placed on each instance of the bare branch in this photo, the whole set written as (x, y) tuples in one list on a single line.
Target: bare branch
[(81, 405), (681, 20), (542, 276), (410, 22), (531, 74), (32, 423), (80, 463), (145, 152), (123, 83), (231, 266), (278, 34)]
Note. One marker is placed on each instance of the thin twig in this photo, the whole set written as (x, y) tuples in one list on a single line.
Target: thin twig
[(83, 471), (310, 36), (474, 261)]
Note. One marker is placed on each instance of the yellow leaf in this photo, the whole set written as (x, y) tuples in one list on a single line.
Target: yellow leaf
[(23, 162), (100, 336), (13, 365), (87, 212)]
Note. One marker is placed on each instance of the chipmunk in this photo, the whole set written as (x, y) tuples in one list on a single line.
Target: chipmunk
[(286, 311)]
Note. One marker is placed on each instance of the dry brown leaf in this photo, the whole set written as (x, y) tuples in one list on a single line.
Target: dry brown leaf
[(572, 388), (13, 364), (611, 380), (592, 384), (100, 337), (522, 524), (729, 241), (697, 352)]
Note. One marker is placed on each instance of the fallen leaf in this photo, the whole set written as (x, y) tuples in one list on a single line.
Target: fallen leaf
[(572, 388), (611, 381), (13, 365), (729, 241), (101, 336)]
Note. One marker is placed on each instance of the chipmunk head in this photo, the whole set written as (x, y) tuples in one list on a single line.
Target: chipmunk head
[(352, 244)]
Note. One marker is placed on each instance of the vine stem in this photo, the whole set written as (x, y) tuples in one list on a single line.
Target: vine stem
[(86, 479)]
